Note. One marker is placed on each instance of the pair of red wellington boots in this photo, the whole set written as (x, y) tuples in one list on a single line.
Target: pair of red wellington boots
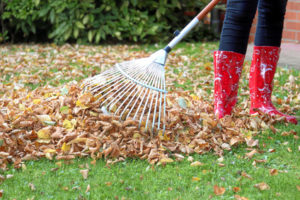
[(228, 69)]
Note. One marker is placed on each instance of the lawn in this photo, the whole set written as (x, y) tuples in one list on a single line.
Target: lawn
[(272, 172)]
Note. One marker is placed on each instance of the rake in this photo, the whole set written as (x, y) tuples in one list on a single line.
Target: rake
[(136, 89)]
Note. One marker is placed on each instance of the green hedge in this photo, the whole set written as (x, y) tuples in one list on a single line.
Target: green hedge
[(95, 21)]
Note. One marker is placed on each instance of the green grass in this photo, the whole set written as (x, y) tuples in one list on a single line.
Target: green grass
[(136, 179)]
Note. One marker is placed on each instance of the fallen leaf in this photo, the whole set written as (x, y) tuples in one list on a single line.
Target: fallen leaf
[(88, 188), (244, 174), (251, 142), (195, 178), (166, 160), (238, 197), (298, 187), (108, 183), (32, 187), (236, 189), (219, 190), (251, 153), (44, 133), (262, 186), (65, 147), (273, 172), (84, 173), (190, 159), (196, 164)]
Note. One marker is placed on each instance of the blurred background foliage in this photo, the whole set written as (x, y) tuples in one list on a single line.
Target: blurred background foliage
[(98, 21)]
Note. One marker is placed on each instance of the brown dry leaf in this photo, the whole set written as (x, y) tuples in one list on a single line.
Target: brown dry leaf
[(251, 153), (196, 164), (238, 197), (298, 187), (32, 187), (244, 174), (273, 172), (1, 193), (108, 183), (262, 186), (88, 188), (84, 173), (190, 159), (236, 189), (219, 190), (251, 142)]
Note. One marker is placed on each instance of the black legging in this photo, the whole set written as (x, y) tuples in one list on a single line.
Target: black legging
[(238, 20)]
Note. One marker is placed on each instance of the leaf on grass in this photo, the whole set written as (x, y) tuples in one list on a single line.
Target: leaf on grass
[(244, 174), (298, 187), (262, 186), (273, 172), (32, 187), (251, 153), (251, 142), (88, 188), (195, 178), (238, 197), (166, 160), (236, 189), (84, 173), (219, 190), (196, 164)]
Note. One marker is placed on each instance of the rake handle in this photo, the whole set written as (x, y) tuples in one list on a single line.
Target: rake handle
[(191, 25), (207, 9)]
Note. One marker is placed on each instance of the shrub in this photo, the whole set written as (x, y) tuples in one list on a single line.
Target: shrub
[(92, 21)]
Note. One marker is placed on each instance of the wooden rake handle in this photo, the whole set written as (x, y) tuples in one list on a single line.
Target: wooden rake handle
[(207, 9)]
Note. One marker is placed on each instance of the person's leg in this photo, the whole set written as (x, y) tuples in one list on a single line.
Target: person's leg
[(270, 22), (237, 23), (228, 61), (265, 57)]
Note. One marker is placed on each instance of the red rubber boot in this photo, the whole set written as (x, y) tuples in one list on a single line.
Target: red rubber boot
[(228, 69), (262, 71)]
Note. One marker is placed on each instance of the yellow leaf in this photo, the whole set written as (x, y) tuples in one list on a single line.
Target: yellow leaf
[(22, 107), (36, 101), (163, 136), (69, 125), (166, 160), (44, 133), (195, 179), (195, 97), (65, 147), (80, 104)]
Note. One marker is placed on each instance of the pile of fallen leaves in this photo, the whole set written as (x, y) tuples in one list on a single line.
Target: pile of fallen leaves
[(64, 123)]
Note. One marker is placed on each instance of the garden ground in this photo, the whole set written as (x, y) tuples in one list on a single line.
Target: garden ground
[(272, 172)]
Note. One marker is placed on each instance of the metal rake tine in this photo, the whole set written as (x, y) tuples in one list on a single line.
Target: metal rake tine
[(151, 76), (118, 97), (120, 82), (154, 115), (141, 117), (153, 93), (143, 76)]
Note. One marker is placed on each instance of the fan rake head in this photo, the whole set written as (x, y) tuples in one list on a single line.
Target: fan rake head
[(133, 90)]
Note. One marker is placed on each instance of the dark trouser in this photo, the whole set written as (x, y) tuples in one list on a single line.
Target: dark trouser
[(238, 20)]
